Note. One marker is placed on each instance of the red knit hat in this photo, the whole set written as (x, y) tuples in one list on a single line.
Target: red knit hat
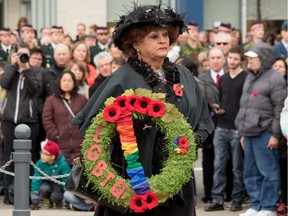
[(52, 148)]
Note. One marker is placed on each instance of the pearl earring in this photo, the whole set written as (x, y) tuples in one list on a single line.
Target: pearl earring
[(138, 54)]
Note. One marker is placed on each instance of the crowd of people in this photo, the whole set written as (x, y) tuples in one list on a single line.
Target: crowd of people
[(47, 81)]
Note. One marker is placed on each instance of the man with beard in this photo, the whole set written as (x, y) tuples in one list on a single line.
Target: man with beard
[(226, 139)]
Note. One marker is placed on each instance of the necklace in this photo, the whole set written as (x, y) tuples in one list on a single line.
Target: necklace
[(161, 75), (171, 75)]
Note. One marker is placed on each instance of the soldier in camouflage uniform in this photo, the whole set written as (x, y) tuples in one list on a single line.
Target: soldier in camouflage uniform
[(192, 47)]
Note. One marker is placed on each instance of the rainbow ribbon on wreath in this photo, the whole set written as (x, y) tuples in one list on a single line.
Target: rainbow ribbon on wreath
[(120, 112), (134, 168)]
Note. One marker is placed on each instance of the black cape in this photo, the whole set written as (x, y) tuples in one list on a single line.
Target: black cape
[(192, 105)]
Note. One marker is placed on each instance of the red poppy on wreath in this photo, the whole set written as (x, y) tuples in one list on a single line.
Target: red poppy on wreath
[(178, 89), (156, 109), (141, 105), (136, 203), (121, 102), (255, 94), (183, 143), (151, 200), (130, 102), (111, 113)]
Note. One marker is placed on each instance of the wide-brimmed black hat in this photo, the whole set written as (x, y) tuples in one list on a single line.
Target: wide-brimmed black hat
[(147, 15)]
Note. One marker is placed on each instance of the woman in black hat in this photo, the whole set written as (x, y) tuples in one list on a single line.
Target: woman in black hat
[(144, 36)]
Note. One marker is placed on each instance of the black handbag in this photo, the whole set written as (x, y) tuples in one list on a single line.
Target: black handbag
[(76, 184)]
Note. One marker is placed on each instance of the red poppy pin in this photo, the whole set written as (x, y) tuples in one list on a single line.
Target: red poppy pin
[(178, 89)]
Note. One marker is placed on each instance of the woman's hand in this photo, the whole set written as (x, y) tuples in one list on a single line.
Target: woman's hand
[(273, 143), (242, 142), (219, 111)]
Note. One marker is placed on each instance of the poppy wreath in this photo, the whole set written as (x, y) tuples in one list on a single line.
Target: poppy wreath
[(138, 193)]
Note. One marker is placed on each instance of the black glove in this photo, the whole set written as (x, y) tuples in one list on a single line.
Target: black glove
[(200, 137)]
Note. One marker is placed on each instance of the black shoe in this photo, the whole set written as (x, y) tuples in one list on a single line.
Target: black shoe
[(236, 206), (207, 199), (1, 190), (214, 207), (7, 201)]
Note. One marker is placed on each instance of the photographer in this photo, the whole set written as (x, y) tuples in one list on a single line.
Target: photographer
[(20, 105)]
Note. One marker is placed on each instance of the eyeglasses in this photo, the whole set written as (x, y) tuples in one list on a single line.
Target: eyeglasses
[(223, 43)]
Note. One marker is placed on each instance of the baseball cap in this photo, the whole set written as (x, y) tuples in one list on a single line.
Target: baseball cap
[(251, 54)]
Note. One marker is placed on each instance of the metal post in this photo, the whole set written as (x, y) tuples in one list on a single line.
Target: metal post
[(21, 158)]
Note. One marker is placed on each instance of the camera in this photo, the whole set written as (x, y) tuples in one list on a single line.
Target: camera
[(24, 58)]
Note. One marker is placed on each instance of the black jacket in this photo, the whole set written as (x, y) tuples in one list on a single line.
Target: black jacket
[(48, 53), (192, 105), (22, 90), (48, 83), (98, 81)]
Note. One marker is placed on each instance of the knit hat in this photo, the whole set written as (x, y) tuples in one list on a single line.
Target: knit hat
[(52, 148)]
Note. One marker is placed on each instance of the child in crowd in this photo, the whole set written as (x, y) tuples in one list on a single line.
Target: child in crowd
[(52, 162)]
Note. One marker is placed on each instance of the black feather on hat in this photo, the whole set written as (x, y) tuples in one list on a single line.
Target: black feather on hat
[(147, 15)]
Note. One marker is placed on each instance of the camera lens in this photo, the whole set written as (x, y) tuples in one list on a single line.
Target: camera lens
[(24, 58)]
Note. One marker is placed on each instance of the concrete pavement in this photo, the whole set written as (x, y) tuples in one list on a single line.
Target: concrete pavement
[(7, 210)]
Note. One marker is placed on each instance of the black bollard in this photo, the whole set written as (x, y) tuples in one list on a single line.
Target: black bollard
[(21, 159)]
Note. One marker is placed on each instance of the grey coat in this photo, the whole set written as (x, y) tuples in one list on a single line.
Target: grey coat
[(262, 97)]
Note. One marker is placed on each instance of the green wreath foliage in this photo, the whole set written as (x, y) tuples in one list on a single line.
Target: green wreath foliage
[(177, 168)]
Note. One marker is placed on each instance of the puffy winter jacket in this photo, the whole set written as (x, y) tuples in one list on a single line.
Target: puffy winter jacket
[(262, 98), (58, 125)]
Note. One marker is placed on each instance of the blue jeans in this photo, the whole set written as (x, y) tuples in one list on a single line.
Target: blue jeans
[(227, 143), (261, 172), (76, 202), (52, 191)]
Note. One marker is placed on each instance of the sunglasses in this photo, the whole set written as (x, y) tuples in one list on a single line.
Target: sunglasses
[(223, 43)]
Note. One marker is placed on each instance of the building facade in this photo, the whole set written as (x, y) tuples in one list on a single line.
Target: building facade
[(68, 13)]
